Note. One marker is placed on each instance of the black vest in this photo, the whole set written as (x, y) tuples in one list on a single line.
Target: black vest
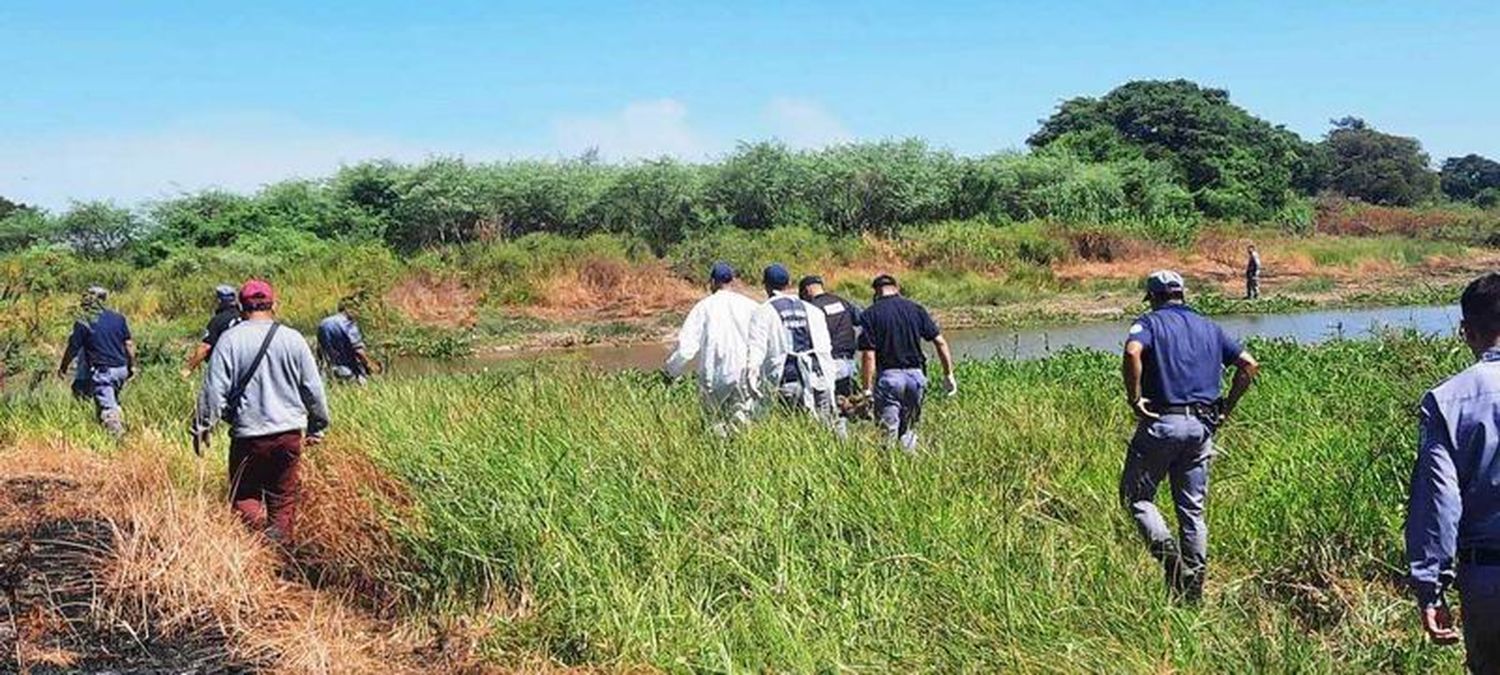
[(840, 324)]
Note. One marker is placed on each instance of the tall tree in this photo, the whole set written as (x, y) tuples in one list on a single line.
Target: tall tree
[(1377, 167), (1235, 164), (1469, 177)]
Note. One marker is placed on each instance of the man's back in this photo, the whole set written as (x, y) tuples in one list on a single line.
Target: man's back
[(222, 320), (339, 339), (1185, 355), (842, 317), (284, 393), (102, 340), (719, 325), (894, 328), (1463, 415)]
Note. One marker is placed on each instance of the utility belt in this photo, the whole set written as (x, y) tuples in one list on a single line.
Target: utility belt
[(1483, 557), (1211, 414)]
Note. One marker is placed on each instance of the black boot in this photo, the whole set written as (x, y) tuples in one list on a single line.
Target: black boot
[(1171, 562)]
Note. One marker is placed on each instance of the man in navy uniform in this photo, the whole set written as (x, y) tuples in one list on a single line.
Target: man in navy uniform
[(1453, 519), (1173, 367)]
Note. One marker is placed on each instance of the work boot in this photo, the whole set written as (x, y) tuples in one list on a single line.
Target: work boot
[(1165, 551), (1190, 585), (114, 423)]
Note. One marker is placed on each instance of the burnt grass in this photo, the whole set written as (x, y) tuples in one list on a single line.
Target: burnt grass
[(48, 584)]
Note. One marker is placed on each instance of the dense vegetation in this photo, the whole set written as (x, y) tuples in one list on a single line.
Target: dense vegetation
[(1148, 153), (619, 534)]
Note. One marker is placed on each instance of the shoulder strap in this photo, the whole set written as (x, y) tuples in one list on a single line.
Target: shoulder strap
[(238, 392)]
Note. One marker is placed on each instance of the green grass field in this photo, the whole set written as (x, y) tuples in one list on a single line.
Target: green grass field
[(588, 518)]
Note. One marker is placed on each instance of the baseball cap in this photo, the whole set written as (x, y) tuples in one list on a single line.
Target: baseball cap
[(776, 276), (808, 281), (1163, 282), (882, 281), (257, 291), (224, 292), (96, 292), (721, 273)]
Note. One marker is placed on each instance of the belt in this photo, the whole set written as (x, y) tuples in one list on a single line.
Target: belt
[(1484, 557), (1192, 409)]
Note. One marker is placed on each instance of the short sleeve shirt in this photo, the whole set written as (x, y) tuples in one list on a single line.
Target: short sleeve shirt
[(1185, 355), (102, 341), (894, 328), (223, 320)]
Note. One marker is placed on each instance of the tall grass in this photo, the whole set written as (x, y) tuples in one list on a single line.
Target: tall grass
[(590, 518)]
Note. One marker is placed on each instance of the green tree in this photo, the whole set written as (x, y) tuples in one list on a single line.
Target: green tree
[(24, 227), (762, 185), (658, 201), (98, 229), (1467, 178), (1377, 167), (1235, 164)]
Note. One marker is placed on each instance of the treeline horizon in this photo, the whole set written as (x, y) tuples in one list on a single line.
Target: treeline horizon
[(1156, 153)]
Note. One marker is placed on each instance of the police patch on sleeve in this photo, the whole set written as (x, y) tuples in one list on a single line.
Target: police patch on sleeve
[(1137, 329)]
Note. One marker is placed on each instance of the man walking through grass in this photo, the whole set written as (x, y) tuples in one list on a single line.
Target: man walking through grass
[(105, 349), (342, 346), (1173, 366), (226, 315), (894, 371), (1453, 518), (791, 356), (263, 381), (1252, 275), (716, 333)]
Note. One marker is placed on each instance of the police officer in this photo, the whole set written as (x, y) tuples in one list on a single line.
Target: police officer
[(102, 342), (894, 371), (226, 315), (790, 356), (1252, 275), (1453, 518), (843, 329), (1174, 362)]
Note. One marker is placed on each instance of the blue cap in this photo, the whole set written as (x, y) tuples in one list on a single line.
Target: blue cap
[(1164, 282), (225, 292), (776, 276), (721, 273)]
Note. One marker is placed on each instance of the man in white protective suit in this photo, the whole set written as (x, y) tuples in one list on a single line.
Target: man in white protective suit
[(715, 333)]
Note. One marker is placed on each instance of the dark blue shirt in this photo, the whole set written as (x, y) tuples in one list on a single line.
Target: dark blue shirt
[(1184, 357), (339, 340), (894, 329), (102, 341)]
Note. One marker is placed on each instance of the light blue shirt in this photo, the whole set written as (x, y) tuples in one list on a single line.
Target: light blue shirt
[(1455, 487)]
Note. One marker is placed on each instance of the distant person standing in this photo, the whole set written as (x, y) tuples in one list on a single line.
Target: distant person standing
[(843, 330), (102, 343), (716, 333), (1453, 518), (1252, 274), (226, 315), (790, 354), (342, 346), (894, 369), (1173, 366), (263, 381)]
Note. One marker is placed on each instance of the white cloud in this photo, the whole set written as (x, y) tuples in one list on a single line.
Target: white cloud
[(805, 124), (239, 154), (643, 129)]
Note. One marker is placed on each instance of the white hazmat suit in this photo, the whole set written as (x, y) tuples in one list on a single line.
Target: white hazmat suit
[(773, 340), (715, 333)]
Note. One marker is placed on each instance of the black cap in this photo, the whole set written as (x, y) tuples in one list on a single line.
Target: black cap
[(808, 281), (882, 281)]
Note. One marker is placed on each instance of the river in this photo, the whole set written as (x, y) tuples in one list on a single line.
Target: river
[(1036, 341)]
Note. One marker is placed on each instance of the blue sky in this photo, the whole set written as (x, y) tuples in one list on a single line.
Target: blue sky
[(134, 101)]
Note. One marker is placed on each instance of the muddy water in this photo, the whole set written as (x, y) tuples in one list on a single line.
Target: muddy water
[(1038, 341)]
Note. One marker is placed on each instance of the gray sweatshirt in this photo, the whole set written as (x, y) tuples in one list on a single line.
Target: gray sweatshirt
[(284, 394)]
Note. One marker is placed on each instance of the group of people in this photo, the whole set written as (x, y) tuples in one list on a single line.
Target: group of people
[(262, 379), (812, 351), (807, 350)]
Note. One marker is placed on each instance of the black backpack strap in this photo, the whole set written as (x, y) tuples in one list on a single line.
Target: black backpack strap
[(238, 392)]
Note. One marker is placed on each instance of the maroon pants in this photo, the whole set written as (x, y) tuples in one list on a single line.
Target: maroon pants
[(263, 481)]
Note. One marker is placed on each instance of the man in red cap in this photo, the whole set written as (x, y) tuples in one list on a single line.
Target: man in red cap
[(263, 381)]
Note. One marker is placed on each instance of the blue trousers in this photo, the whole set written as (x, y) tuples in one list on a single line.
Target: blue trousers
[(1479, 595), (898, 402), (1179, 448)]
